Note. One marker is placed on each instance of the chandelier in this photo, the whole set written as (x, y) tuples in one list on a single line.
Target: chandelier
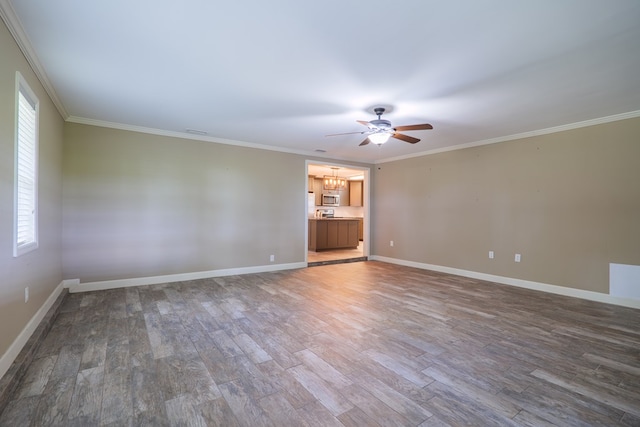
[(333, 182)]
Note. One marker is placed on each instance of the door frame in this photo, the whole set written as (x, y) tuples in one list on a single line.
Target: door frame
[(366, 171)]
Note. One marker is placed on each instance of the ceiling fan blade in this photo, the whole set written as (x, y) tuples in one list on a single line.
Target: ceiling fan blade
[(424, 126), (362, 122), (347, 133), (405, 138), (365, 142)]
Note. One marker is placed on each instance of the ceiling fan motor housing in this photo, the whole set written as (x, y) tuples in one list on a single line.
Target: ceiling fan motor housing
[(381, 124)]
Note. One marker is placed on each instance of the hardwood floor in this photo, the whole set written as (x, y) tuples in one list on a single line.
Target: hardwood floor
[(358, 344)]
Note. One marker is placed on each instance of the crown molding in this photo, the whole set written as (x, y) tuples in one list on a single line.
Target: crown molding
[(196, 137), (555, 129), (10, 18)]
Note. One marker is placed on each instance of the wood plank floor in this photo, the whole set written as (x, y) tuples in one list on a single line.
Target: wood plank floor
[(359, 344)]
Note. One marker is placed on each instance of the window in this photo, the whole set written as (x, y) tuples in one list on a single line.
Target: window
[(26, 170)]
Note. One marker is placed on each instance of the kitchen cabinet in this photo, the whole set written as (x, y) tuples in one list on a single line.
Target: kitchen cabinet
[(344, 196), (333, 233), (356, 193)]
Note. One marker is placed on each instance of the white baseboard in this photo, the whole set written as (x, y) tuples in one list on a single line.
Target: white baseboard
[(70, 282), (76, 286), (536, 286), (18, 344)]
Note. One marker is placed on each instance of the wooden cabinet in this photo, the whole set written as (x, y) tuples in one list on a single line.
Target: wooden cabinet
[(344, 196), (356, 193), (361, 229), (333, 234)]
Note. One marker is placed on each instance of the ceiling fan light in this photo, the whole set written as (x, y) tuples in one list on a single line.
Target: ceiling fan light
[(379, 138)]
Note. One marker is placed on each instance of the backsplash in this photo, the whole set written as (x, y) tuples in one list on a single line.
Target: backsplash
[(345, 211)]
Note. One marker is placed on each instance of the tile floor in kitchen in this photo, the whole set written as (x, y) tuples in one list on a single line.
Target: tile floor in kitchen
[(336, 254)]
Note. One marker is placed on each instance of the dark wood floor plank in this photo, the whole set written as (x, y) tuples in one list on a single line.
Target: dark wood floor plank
[(374, 408), (218, 413), (244, 407), (315, 414), (181, 375), (256, 353), (321, 390), (558, 407), (148, 399), (363, 343), (402, 404), (323, 369), (181, 411), (36, 377), (53, 405), (481, 397), (20, 412), (295, 393), (401, 366), (87, 396), (625, 402), (117, 399), (356, 417), (280, 411)]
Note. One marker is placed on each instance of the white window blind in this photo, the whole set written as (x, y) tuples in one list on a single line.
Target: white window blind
[(26, 168)]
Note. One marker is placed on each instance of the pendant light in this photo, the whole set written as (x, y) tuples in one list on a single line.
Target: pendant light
[(334, 182)]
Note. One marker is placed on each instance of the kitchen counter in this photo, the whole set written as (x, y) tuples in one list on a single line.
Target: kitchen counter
[(336, 218), (333, 233)]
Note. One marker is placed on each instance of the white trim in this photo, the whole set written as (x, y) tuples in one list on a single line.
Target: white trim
[(9, 16), (184, 135), (527, 284), (76, 286), (366, 171), (562, 128), (196, 137), (70, 282), (18, 344)]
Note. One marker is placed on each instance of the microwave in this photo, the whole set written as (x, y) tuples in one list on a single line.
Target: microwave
[(330, 200)]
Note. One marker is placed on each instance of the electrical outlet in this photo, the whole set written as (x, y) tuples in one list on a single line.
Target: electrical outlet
[(272, 258), (517, 258), (490, 254), (26, 295), (391, 243)]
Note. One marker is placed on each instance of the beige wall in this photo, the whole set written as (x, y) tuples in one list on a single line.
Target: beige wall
[(140, 205), (40, 270), (568, 202)]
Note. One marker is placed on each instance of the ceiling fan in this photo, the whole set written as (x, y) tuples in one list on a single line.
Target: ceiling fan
[(380, 130)]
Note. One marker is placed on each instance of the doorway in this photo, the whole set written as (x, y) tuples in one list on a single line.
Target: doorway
[(330, 228)]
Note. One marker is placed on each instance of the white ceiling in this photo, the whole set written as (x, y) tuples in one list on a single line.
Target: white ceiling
[(285, 73)]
